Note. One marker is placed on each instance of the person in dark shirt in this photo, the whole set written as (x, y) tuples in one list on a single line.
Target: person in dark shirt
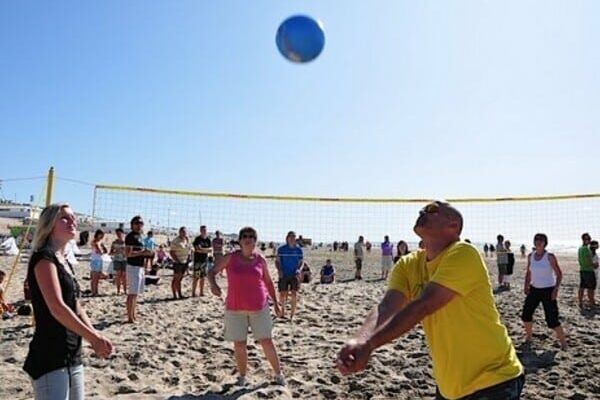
[(327, 272), (136, 255), (54, 358), (202, 248)]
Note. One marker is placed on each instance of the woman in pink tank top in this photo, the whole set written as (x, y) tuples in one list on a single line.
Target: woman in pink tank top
[(248, 287)]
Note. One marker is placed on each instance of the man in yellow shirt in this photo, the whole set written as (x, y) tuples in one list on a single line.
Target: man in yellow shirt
[(446, 287)]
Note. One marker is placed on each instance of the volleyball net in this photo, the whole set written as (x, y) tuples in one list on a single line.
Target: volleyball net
[(324, 220)]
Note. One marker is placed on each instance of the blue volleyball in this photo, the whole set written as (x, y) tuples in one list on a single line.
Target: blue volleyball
[(300, 38)]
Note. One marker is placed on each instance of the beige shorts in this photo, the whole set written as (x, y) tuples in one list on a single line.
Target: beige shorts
[(387, 262), (237, 323)]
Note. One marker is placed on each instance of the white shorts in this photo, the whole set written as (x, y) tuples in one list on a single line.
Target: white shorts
[(387, 262), (135, 279), (237, 323)]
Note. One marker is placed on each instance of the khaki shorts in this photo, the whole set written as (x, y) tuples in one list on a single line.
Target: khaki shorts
[(387, 262), (237, 323)]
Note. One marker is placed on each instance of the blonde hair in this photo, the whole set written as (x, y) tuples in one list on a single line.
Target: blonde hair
[(45, 225)]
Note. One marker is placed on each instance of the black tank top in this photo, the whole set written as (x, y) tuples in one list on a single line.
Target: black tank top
[(53, 346)]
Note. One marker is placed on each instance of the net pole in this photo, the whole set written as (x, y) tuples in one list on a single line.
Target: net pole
[(49, 186)]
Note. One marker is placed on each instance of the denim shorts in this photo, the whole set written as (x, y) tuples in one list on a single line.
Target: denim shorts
[(60, 384), (96, 264)]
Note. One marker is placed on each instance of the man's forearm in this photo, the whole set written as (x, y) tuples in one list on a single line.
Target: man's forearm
[(398, 324), (376, 317)]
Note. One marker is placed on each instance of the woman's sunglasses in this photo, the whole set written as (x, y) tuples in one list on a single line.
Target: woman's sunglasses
[(432, 208)]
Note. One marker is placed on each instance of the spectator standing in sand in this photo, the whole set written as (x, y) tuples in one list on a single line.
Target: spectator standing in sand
[(501, 261), (218, 247), (594, 250), (359, 255), (180, 253), (119, 260), (446, 288), (401, 250), (288, 262), (387, 257), (523, 251), (542, 281), (54, 358), (327, 273), (150, 245), (246, 305), (136, 255), (96, 261), (510, 264), (202, 248), (486, 249), (587, 276)]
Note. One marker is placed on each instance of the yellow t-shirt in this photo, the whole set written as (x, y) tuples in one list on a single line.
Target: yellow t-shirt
[(470, 348)]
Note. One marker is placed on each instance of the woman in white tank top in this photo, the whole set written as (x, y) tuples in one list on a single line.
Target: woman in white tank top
[(541, 286)]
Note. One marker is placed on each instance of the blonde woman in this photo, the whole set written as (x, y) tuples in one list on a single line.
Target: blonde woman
[(96, 261), (54, 358)]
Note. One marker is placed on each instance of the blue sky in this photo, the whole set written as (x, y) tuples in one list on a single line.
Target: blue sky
[(408, 99)]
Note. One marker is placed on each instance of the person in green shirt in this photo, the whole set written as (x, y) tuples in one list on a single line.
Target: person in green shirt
[(587, 275)]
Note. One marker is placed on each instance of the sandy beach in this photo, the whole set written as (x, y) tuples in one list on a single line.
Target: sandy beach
[(177, 351)]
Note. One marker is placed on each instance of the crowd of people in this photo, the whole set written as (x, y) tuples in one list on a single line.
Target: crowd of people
[(444, 285)]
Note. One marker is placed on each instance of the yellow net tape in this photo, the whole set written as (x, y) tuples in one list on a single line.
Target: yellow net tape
[(346, 199)]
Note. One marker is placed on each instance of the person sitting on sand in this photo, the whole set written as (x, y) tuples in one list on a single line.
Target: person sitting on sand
[(305, 273), (327, 272), (152, 277), (446, 288), (249, 285), (162, 257), (542, 281), (6, 310)]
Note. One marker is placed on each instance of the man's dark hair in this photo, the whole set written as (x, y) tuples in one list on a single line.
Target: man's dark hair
[(586, 236)]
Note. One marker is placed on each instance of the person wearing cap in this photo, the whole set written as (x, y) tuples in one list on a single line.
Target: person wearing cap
[(446, 288), (136, 256), (288, 262)]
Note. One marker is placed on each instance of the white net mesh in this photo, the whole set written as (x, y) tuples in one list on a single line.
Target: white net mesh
[(562, 218)]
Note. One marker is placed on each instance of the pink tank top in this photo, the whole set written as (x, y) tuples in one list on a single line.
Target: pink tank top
[(246, 288)]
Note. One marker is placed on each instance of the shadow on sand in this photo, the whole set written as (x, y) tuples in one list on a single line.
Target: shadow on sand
[(220, 395)]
